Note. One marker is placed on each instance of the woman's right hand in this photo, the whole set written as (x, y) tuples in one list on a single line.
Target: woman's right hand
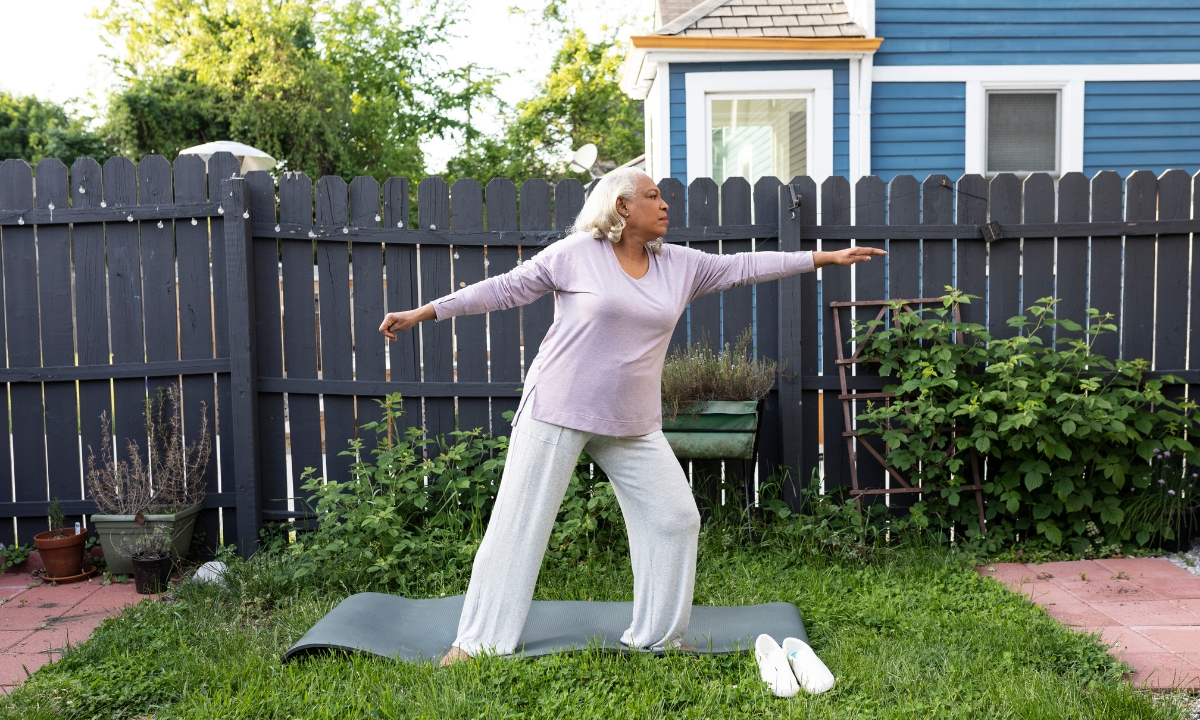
[(401, 321)]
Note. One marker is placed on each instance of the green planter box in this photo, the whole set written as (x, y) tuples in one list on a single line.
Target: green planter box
[(719, 430), (111, 528)]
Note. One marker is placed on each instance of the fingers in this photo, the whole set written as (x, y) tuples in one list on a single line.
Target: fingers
[(386, 327)]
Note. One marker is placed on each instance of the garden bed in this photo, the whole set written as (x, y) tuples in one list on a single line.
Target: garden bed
[(912, 632)]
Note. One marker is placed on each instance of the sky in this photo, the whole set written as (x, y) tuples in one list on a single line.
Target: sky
[(72, 67)]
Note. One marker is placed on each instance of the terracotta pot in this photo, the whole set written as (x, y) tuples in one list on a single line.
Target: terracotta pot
[(62, 556)]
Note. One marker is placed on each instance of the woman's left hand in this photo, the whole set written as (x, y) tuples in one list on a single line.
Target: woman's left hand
[(849, 256)]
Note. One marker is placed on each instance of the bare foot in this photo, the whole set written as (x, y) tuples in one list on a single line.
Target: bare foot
[(455, 654)]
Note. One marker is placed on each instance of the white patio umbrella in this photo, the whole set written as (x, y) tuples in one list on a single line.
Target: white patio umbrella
[(250, 158)]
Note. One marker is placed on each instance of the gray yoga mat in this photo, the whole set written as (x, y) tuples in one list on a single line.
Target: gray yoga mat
[(422, 630)]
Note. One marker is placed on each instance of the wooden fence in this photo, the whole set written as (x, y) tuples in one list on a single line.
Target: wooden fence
[(263, 302)]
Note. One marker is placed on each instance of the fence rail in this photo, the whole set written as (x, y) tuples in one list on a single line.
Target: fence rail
[(262, 299)]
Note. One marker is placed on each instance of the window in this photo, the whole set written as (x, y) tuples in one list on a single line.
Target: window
[(1022, 132), (753, 137)]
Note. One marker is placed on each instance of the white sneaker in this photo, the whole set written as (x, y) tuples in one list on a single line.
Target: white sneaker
[(814, 677), (773, 665)]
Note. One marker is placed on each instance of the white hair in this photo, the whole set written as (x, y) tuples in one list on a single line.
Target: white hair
[(599, 215)]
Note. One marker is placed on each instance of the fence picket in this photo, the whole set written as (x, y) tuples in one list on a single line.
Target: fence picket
[(403, 293), (91, 304), (972, 252), (21, 308), (568, 201), (272, 439), (222, 166), (433, 212), (336, 339), (737, 303), (870, 279), (195, 327), (937, 208), (1004, 283), (835, 284), (1137, 324), (505, 325), (299, 329), (1071, 285), (369, 351), (124, 300), (63, 470), (798, 321), (1107, 205), (1038, 252), (538, 315), (1171, 295), (766, 326), (470, 331)]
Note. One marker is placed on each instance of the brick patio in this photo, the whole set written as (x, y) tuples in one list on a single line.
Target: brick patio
[(1147, 609), (37, 623)]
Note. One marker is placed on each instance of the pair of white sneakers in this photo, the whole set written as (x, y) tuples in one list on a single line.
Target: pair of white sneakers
[(793, 666)]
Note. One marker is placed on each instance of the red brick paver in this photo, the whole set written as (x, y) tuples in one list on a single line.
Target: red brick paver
[(37, 621), (1146, 609)]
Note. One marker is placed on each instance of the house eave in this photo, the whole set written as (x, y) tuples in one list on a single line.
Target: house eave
[(646, 52)]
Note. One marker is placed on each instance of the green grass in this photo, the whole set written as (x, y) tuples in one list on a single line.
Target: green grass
[(912, 633)]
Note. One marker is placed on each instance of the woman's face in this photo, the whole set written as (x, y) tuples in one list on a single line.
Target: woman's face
[(645, 213)]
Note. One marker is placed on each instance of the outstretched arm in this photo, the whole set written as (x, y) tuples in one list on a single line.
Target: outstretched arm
[(721, 272), (520, 286)]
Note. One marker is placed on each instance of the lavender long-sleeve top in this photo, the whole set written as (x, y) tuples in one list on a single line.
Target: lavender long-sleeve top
[(599, 369)]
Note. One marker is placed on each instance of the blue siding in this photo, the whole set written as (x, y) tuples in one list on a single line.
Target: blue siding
[(841, 105), (1131, 126), (1036, 32), (918, 129)]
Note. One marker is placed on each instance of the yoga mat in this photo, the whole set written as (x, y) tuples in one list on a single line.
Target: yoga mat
[(423, 630)]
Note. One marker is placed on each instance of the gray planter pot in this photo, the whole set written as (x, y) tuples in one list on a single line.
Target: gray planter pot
[(718, 430), (112, 528)]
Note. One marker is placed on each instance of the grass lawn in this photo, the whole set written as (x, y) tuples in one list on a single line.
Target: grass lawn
[(912, 633)]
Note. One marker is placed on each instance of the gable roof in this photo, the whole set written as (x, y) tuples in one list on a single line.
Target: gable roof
[(757, 18)]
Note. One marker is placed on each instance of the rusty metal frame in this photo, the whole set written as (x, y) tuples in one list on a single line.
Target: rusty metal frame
[(848, 396)]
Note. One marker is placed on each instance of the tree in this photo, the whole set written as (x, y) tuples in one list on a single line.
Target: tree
[(32, 129), (331, 86), (578, 102)]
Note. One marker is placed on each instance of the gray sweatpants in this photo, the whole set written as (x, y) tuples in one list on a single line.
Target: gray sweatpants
[(660, 516)]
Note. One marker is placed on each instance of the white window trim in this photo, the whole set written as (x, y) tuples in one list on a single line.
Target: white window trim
[(815, 84), (1069, 144)]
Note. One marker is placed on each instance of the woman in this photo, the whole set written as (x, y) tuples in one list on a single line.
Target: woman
[(596, 384)]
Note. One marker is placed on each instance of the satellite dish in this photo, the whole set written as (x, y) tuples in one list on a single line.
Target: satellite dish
[(583, 159)]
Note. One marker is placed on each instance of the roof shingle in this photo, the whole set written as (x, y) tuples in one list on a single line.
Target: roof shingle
[(758, 18)]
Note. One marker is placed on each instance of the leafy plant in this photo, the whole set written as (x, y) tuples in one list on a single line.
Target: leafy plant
[(55, 515), (1063, 430), (152, 545), (697, 373), (412, 504), (170, 479), (14, 554), (1162, 503)]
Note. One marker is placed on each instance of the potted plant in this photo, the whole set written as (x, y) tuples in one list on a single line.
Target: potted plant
[(151, 556), (61, 548), (163, 489), (711, 399)]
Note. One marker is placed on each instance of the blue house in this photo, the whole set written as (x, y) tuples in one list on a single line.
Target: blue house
[(755, 88)]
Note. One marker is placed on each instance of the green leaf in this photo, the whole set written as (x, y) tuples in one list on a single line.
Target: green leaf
[(1033, 480), (1068, 427), (983, 444)]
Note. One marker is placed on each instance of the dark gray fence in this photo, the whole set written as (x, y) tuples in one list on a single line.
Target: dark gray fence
[(263, 302)]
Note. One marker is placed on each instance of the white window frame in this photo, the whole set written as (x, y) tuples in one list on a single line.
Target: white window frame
[(988, 89), (816, 86)]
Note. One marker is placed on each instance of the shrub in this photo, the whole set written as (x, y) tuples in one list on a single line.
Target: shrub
[(1069, 437), (697, 373), (413, 511)]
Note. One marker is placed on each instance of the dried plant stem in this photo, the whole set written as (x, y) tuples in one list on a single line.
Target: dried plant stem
[(170, 479), (700, 374)]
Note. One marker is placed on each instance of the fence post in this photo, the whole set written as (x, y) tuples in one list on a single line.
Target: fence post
[(791, 426), (243, 363)]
